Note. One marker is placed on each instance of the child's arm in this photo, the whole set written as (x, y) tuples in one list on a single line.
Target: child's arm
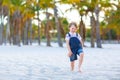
[(68, 47), (80, 40), (81, 43)]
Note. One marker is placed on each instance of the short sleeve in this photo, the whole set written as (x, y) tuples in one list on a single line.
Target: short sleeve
[(79, 37), (67, 37)]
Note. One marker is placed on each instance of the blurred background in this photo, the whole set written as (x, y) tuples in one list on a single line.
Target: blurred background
[(24, 22)]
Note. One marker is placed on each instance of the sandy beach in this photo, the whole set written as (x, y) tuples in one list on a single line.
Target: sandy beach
[(51, 63)]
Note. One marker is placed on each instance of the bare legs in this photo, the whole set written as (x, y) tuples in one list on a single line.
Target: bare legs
[(79, 64), (72, 65)]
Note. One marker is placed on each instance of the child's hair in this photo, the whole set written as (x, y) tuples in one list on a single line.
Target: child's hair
[(72, 23)]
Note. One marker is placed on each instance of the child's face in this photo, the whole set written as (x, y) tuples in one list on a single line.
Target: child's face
[(73, 28)]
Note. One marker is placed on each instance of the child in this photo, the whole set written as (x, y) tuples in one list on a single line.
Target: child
[(74, 46)]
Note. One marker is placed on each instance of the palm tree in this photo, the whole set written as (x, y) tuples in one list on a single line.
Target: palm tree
[(98, 38), (96, 6), (82, 30), (90, 9), (92, 19), (37, 8), (28, 14), (1, 24), (57, 25), (44, 5), (16, 16), (4, 11), (113, 20)]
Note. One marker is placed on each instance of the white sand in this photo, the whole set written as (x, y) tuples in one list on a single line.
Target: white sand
[(51, 63)]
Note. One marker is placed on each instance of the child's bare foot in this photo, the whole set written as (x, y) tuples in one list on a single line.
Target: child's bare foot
[(72, 70), (80, 71)]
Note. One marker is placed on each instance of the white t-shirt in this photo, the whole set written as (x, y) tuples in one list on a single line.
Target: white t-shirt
[(72, 35)]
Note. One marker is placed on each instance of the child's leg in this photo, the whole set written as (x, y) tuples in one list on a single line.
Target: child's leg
[(80, 61), (73, 57), (72, 65)]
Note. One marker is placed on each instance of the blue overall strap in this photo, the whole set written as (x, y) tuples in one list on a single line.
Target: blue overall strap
[(77, 34), (70, 35)]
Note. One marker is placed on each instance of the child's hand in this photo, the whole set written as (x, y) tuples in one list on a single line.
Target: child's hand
[(69, 54)]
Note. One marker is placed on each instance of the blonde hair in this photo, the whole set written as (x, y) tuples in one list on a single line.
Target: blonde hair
[(72, 23)]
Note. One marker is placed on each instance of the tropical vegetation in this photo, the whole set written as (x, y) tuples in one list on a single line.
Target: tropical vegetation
[(17, 16)]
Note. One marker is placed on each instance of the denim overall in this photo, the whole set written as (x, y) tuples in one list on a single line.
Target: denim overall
[(75, 46)]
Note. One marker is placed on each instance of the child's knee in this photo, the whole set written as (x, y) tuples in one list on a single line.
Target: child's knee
[(82, 54)]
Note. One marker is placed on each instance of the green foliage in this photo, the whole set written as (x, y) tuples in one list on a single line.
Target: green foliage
[(17, 2), (1, 1), (35, 31), (112, 33), (28, 10), (65, 24), (88, 33)]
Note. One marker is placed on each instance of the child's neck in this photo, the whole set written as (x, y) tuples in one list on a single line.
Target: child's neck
[(72, 32)]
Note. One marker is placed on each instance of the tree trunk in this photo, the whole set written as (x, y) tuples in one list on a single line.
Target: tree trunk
[(118, 38), (61, 29), (18, 36), (98, 39), (58, 27), (109, 36), (1, 34), (30, 29), (8, 29), (25, 41), (82, 30), (11, 30), (17, 25), (14, 34), (47, 29), (27, 29), (38, 28), (1, 25), (92, 31)]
